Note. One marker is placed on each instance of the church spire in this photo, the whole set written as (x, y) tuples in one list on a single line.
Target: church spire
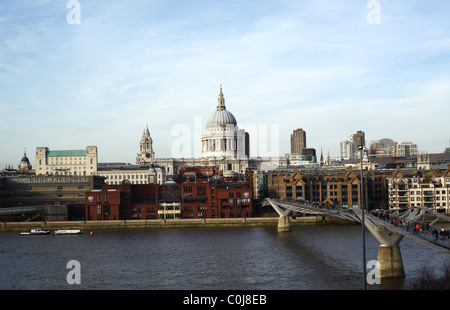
[(221, 100), (146, 154)]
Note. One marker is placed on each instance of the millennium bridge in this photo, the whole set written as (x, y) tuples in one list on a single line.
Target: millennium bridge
[(418, 223)]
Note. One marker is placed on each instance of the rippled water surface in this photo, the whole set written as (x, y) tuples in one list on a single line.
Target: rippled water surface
[(310, 257)]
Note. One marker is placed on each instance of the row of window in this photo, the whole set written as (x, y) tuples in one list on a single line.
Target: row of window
[(66, 158), (428, 193), (120, 182), (429, 199), (105, 209), (99, 199), (238, 200), (191, 208), (126, 177), (65, 161), (51, 180)]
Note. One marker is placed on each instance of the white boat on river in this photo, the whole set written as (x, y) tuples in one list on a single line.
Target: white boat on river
[(68, 232), (36, 231)]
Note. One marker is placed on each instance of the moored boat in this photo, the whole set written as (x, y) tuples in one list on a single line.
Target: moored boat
[(36, 231), (68, 232)]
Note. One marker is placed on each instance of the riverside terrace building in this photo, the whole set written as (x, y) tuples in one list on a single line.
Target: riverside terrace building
[(197, 192), (383, 189), (334, 186), (430, 188)]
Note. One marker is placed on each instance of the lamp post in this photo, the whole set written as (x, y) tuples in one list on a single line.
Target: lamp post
[(361, 146), (164, 204)]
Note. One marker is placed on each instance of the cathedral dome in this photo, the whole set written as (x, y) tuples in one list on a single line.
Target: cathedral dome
[(221, 116)]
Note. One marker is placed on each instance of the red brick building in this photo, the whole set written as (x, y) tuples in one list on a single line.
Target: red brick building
[(233, 200), (204, 195), (104, 204), (197, 193), (119, 202)]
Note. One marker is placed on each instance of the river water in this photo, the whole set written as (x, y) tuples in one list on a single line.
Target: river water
[(243, 258)]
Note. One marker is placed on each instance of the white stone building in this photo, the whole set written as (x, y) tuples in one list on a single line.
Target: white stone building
[(66, 162), (413, 189), (407, 149), (116, 173)]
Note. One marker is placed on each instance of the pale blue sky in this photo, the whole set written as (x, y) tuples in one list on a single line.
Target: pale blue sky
[(316, 65)]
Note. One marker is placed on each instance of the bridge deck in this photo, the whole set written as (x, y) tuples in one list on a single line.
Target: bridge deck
[(435, 237)]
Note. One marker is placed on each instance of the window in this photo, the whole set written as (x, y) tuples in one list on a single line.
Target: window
[(99, 209)]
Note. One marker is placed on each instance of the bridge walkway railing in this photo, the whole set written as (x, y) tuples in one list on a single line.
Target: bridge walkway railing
[(432, 233), (425, 233)]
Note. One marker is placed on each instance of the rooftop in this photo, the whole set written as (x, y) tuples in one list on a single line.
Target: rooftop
[(66, 153)]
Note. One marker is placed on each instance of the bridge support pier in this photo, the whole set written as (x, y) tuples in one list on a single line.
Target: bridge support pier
[(284, 224), (389, 255), (390, 261)]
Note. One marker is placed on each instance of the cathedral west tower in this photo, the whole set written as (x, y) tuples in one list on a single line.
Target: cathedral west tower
[(146, 156)]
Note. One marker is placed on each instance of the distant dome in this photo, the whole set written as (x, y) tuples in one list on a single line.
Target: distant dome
[(387, 142), (24, 162)]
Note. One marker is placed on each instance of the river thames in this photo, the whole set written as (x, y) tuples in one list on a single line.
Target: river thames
[(227, 258)]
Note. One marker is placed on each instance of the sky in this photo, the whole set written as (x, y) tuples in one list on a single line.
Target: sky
[(96, 72)]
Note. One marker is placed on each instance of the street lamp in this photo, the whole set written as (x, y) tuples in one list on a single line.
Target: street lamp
[(361, 147)]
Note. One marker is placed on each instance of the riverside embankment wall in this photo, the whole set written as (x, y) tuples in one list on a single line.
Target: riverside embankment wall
[(145, 223)]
